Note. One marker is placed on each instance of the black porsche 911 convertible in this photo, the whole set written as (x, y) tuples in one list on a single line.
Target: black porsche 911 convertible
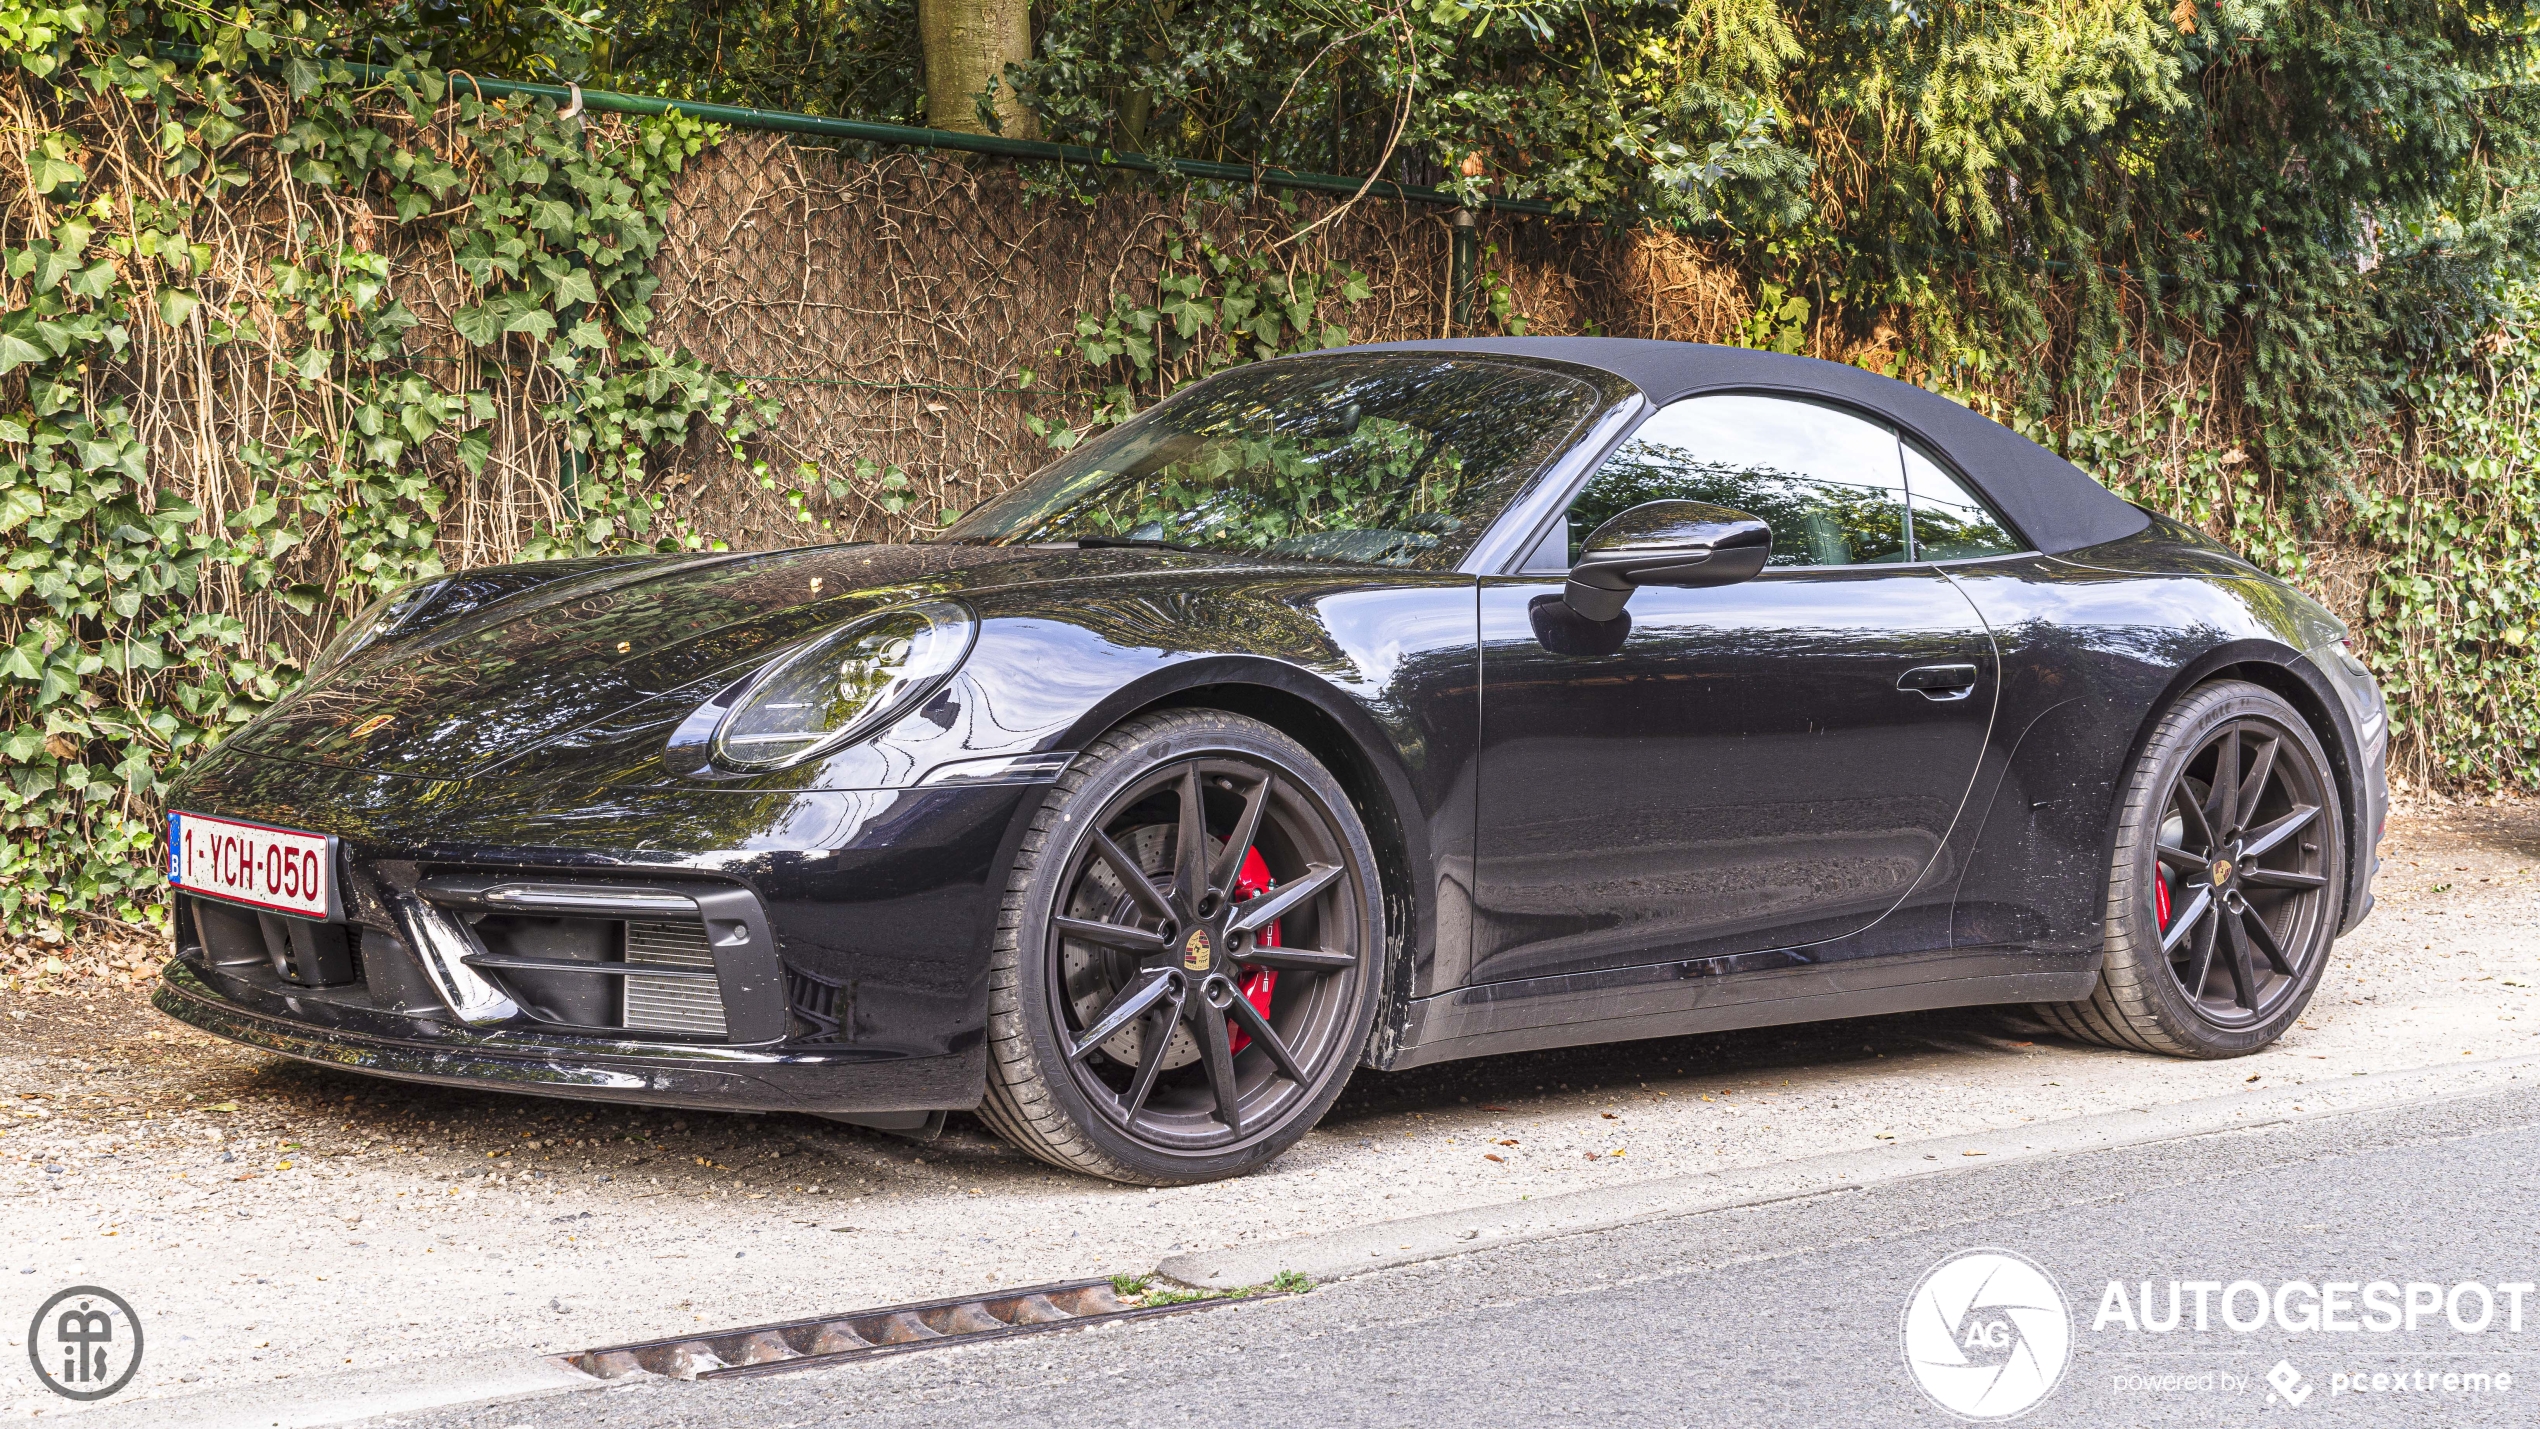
[(1381, 706)]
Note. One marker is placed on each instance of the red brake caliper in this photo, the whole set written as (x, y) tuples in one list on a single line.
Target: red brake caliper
[(1251, 881), (2161, 898)]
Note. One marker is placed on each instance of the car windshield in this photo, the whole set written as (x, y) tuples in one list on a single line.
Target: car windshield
[(1383, 459)]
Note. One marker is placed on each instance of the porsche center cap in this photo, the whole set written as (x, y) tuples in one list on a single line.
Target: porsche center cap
[(2222, 871), (1195, 951)]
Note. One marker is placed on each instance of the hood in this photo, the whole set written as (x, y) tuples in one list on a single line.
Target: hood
[(618, 648)]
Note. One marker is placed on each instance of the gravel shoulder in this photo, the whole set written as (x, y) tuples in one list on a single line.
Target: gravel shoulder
[(274, 1221)]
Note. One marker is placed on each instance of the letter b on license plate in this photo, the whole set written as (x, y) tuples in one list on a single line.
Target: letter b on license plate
[(280, 870)]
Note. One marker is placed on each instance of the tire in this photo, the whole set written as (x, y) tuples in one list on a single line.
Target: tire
[(2250, 884), (1217, 1068)]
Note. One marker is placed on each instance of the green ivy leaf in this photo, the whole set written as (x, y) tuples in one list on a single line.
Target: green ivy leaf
[(18, 345), (94, 281), (45, 173), (533, 321), (575, 287), (18, 506), (479, 323)]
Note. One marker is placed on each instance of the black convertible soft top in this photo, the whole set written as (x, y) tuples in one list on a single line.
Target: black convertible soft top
[(2054, 503)]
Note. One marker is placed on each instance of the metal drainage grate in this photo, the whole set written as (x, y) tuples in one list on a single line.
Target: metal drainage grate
[(865, 1334)]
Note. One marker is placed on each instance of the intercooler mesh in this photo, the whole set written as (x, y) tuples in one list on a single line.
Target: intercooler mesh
[(671, 1004)]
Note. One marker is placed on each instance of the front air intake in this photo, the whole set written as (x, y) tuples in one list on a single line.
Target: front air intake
[(672, 1004), (691, 959)]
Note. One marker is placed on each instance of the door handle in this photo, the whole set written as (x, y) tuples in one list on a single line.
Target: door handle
[(1939, 682)]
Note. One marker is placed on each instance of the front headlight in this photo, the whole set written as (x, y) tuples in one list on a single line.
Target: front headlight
[(847, 683), (385, 617)]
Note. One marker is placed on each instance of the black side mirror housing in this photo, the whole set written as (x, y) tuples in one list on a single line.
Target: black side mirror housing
[(1669, 543)]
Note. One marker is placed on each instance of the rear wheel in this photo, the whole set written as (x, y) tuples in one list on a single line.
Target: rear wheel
[(2223, 894), (1186, 964)]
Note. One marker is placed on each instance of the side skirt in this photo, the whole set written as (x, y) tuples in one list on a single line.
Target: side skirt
[(1679, 999)]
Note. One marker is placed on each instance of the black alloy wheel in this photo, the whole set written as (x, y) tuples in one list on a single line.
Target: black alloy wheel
[(1192, 951), (2241, 884), (2225, 891)]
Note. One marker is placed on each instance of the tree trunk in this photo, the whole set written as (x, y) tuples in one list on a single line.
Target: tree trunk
[(968, 44)]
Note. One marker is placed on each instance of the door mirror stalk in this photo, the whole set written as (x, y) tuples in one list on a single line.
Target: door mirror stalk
[(1665, 543)]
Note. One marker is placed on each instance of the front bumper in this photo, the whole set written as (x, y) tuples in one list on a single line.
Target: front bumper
[(308, 1025), (822, 952)]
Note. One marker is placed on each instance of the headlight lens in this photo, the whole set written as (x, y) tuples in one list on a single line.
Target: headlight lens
[(384, 618), (847, 683)]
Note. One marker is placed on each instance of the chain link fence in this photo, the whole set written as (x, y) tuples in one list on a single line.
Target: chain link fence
[(894, 304)]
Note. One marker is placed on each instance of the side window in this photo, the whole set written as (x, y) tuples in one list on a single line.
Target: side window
[(1950, 522), (1828, 483)]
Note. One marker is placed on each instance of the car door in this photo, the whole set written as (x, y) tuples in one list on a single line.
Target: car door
[(1749, 767)]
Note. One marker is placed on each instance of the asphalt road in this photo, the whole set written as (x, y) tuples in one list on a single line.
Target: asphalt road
[(1791, 1313)]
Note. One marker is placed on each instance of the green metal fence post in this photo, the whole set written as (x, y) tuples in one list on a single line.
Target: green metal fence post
[(1463, 259)]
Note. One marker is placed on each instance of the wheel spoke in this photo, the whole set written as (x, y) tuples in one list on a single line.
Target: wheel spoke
[(2225, 791), (1190, 842), (1112, 935), (2265, 939), (2182, 922), (2181, 859), (2202, 965), (1131, 876), (2254, 788), (1266, 1037), (1230, 859), (1159, 1037), (2244, 972), (1150, 988), (2262, 839), (2281, 878), (1217, 1055), (1260, 911), (2192, 815), (1303, 960)]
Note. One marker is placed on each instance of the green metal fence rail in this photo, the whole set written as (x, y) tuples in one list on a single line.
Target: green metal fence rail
[(866, 131)]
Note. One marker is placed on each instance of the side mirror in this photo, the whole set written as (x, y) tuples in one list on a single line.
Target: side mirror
[(1670, 543)]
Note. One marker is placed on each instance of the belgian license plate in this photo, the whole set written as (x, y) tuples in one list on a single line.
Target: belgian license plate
[(280, 870)]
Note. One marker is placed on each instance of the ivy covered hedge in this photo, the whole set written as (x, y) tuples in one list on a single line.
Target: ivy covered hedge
[(264, 331)]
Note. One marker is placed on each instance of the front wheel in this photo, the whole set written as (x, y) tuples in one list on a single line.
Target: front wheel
[(2224, 891), (1186, 965)]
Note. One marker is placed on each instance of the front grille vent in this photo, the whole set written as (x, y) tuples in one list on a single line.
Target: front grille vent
[(672, 1004)]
